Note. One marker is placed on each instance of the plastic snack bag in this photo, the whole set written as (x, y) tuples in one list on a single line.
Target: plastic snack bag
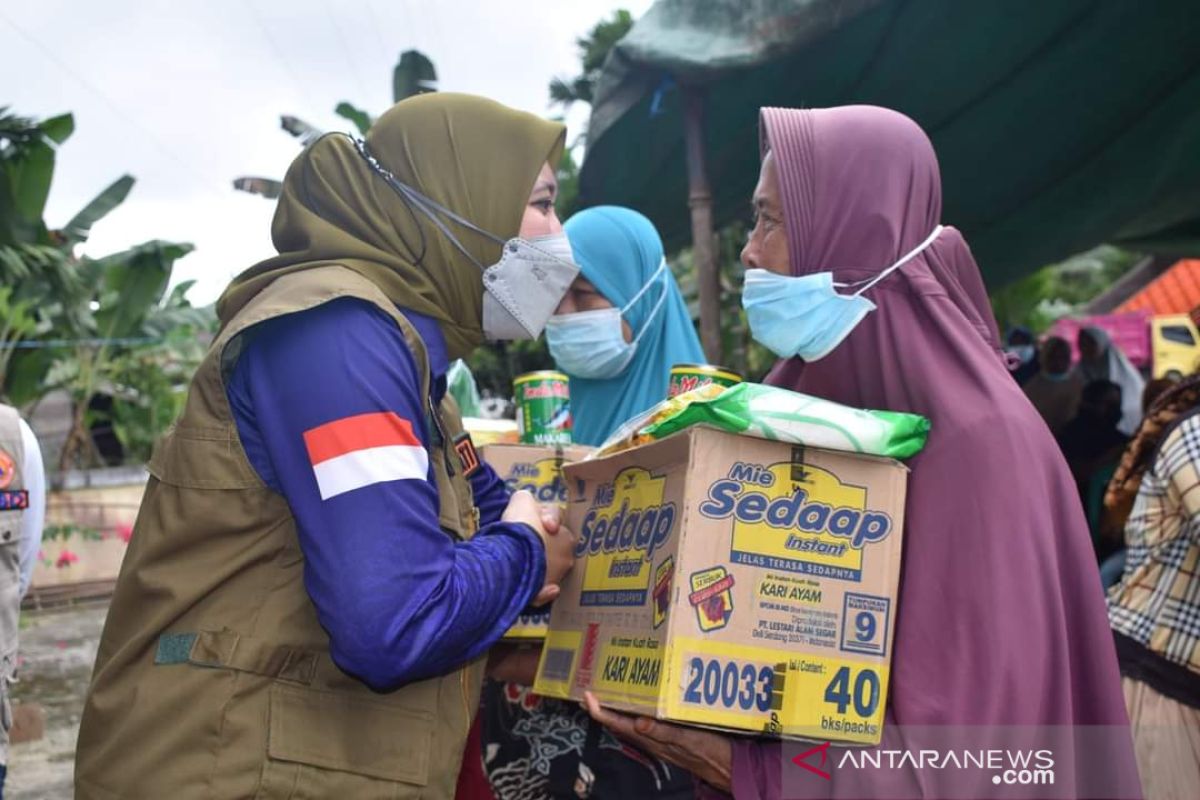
[(632, 433), (767, 412)]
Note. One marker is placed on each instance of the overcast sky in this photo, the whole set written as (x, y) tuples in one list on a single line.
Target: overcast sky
[(185, 96)]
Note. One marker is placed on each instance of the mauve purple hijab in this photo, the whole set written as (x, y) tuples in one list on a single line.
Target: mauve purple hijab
[(1001, 618)]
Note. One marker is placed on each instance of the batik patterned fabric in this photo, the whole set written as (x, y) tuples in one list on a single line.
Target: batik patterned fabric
[(537, 748)]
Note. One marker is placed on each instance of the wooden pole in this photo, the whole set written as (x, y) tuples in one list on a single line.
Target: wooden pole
[(704, 254)]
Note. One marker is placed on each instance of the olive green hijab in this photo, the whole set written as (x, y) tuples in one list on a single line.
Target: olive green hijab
[(472, 155)]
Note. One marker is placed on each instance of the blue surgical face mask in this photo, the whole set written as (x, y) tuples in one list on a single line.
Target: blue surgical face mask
[(591, 344), (804, 315)]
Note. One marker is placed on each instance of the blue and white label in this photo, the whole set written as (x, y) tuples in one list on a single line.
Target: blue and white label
[(865, 624), (729, 684)]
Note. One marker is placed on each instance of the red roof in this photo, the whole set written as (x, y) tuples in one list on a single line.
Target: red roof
[(1176, 291)]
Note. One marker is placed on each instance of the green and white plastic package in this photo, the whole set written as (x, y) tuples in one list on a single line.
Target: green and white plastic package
[(767, 412)]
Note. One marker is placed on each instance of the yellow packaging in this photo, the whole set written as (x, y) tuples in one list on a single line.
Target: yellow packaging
[(733, 583), (486, 432), (538, 469)]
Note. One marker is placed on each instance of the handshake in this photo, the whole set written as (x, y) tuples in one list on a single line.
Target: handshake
[(558, 541)]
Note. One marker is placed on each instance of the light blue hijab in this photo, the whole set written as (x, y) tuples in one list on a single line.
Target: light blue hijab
[(619, 251)]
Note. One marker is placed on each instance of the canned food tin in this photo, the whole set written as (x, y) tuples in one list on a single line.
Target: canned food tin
[(685, 377), (543, 407)]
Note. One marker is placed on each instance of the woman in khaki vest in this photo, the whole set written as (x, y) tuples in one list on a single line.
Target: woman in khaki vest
[(320, 562)]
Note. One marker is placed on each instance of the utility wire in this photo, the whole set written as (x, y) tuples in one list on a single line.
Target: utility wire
[(345, 47), (59, 344), (378, 28), (112, 105), (280, 56)]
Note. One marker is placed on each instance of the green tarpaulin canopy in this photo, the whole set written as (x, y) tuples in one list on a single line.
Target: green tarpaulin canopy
[(1059, 124)]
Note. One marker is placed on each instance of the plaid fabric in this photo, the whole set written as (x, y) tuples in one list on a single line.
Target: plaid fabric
[(1157, 602)]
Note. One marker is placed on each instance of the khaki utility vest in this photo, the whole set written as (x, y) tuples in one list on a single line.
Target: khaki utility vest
[(213, 678), (12, 483)]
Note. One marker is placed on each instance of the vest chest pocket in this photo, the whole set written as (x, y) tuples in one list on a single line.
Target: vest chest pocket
[(347, 734), (195, 457)]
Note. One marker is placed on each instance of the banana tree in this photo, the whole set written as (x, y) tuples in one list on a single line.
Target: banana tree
[(27, 158), (124, 310), (27, 154), (16, 322), (37, 262), (86, 325), (149, 383), (414, 74)]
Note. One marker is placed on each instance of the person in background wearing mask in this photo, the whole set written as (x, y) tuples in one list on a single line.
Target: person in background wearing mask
[(321, 562), (1023, 346), (622, 326), (1056, 389), (1101, 360), (22, 512), (1155, 609), (869, 302), (617, 333)]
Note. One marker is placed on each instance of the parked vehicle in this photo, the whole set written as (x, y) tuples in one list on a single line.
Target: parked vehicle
[(1161, 346), (1175, 342)]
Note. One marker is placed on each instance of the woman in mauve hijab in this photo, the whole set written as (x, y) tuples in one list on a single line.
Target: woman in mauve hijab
[(1001, 638)]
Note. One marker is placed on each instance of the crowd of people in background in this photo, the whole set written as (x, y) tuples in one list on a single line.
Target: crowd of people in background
[(1092, 405), (1133, 447)]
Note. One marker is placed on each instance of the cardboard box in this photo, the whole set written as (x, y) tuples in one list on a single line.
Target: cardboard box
[(733, 583), (539, 469)]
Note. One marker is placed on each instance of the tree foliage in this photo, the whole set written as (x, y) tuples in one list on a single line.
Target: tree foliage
[(78, 323), (1059, 290), (593, 49)]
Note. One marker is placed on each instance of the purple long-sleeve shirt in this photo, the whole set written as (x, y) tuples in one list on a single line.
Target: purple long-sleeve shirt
[(400, 599)]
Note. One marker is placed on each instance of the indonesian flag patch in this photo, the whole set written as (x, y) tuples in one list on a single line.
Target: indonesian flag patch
[(362, 450)]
